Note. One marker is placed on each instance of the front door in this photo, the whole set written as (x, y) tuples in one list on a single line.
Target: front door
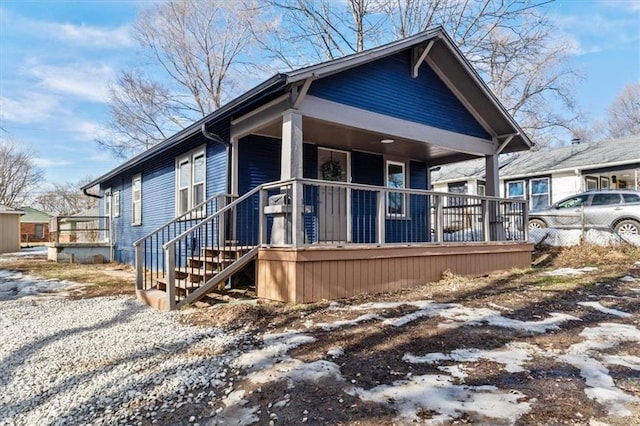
[(333, 201)]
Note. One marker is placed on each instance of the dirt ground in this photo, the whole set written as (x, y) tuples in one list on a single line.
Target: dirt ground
[(373, 355)]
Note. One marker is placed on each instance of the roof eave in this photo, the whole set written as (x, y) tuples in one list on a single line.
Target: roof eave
[(274, 83)]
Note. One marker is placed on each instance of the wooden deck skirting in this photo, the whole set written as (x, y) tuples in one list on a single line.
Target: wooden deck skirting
[(314, 273)]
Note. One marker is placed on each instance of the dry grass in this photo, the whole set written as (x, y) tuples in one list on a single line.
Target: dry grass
[(101, 280)]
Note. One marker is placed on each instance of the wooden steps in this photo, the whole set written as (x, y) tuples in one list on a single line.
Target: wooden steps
[(198, 271)]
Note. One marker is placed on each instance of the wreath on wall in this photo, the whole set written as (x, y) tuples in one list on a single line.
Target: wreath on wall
[(332, 170)]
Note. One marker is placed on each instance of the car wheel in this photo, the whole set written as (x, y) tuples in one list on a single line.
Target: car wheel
[(628, 227), (536, 224)]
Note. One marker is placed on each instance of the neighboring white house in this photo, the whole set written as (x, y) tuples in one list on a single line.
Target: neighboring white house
[(545, 177)]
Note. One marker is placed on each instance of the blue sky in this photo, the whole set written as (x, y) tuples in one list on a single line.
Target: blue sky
[(57, 59)]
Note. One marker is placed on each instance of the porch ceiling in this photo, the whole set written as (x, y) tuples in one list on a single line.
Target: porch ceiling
[(330, 135)]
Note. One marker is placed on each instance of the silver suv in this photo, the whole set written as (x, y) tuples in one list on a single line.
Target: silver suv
[(614, 210)]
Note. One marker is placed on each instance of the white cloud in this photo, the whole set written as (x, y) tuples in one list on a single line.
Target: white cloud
[(624, 5), (31, 107), (50, 162), (87, 81), (77, 34)]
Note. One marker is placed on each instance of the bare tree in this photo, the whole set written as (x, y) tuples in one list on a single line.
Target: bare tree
[(198, 57), (623, 115), (18, 174), (65, 199), (511, 43)]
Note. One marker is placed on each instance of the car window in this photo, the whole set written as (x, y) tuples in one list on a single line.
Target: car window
[(605, 199), (577, 201), (631, 198)]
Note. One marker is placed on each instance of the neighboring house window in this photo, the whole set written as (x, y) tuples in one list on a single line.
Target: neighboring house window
[(457, 188), (515, 189), (481, 189), (591, 183), (39, 230), (191, 173), (116, 204), (539, 193), (604, 182), (136, 197), (396, 176)]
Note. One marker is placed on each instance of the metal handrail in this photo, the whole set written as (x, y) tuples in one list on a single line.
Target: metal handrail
[(179, 218)]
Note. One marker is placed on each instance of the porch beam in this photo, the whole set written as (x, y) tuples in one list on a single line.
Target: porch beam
[(302, 93), (504, 144), (421, 58), (260, 117), (345, 115), (445, 79)]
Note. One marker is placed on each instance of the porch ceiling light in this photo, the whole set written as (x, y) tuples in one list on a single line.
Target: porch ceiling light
[(387, 141)]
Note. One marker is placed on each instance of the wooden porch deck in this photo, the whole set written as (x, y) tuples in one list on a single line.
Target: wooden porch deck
[(311, 274)]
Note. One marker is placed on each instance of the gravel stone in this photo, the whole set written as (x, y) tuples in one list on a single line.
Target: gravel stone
[(104, 361)]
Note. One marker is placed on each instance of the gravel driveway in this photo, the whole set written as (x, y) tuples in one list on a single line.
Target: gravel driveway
[(104, 361)]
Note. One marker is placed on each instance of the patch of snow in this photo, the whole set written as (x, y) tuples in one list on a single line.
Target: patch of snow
[(628, 361), (346, 323), (438, 393), (513, 356), (570, 271), (456, 371), (628, 279), (15, 285), (601, 386), (500, 307), (293, 370), (336, 352), (275, 345), (572, 237), (598, 307)]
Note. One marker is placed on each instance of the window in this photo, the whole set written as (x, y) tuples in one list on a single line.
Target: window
[(39, 231), (107, 202), (539, 193), (515, 189), (191, 173), (591, 183), (573, 202), (481, 188), (604, 182), (605, 199), (631, 198), (116, 204), (395, 179), (457, 188), (136, 200)]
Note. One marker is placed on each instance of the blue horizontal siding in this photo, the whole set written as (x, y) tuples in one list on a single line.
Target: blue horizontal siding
[(385, 86), (158, 194)]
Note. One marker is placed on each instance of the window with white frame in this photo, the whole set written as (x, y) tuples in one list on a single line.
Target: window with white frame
[(540, 194), (190, 182), (136, 200), (515, 189), (116, 204), (396, 177), (107, 202), (481, 188)]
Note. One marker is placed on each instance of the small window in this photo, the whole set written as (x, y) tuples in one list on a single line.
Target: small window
[(591, 183), (515, 189), (457, 188), (604, 182), (539, 193), (631, 198), (39, 231), (481, 189), (136, 200), (191, 172), (395, 179), (116, 204)]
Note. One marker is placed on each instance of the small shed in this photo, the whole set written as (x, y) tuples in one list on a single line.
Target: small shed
[(9, 229), (34, 225)]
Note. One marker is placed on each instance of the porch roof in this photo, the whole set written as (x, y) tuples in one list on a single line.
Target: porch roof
[(441, 54)]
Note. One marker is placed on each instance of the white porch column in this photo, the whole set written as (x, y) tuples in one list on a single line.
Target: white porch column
[(291, 168), (291, 145), (492, 188)]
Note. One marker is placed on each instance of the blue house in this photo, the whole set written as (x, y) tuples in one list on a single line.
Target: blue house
[(320, 179)]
